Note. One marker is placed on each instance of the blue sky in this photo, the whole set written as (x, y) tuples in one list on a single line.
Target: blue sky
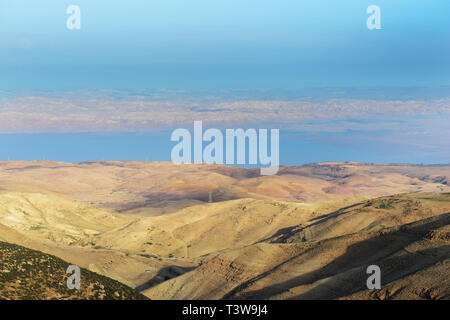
[(217, 44)]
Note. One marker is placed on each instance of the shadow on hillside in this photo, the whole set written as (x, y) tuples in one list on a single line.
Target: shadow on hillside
[(285, 233), (155, 197), (164, 274), (336, 213), (392, 268), (358, 256)]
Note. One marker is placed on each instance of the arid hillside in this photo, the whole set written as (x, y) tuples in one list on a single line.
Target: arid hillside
[(307, 233), (153, 188), (326, 256)]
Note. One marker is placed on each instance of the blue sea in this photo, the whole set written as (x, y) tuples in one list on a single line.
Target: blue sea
[(295, 148)]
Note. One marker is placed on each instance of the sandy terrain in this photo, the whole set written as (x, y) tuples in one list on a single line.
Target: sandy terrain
[(307, 233), (139, 185)]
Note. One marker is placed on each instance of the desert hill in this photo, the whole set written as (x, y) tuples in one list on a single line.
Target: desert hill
[(308, 232), (320, 266), (162, 187), (58, 226), (53, 217)]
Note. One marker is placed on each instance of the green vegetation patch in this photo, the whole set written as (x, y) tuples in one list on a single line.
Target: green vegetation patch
[(384, 206), (27, 274)]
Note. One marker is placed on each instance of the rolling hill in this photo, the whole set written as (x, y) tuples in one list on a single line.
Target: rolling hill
[(307, 233)]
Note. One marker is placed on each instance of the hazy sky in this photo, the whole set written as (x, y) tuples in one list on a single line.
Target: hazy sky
[(214, 45), (206, 44)]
